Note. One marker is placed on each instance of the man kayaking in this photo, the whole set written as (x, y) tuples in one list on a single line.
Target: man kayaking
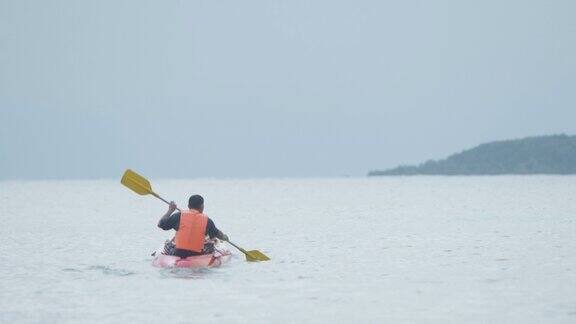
[(192, 227)]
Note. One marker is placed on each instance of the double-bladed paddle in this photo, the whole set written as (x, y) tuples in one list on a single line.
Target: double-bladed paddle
[(141, 186)]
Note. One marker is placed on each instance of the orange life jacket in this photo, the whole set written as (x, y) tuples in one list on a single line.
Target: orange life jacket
[(191, 231)]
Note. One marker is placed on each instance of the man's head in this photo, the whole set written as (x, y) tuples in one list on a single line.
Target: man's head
[(196, 202)]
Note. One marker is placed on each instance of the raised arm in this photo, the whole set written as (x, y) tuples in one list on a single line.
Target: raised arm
[(164, 222)]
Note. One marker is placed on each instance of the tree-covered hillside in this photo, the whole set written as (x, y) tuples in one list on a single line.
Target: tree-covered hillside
[(555, 154)]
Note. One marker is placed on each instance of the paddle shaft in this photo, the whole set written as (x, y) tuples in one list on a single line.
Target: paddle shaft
[(164, 200), (239, 248)]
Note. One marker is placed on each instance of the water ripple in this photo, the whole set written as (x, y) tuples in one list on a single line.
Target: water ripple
[(111, 271)]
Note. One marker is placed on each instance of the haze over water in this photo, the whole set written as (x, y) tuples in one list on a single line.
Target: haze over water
[(403, 250), (299, 88)]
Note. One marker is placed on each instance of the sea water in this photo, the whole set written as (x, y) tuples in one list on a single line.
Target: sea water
[(395, 249)]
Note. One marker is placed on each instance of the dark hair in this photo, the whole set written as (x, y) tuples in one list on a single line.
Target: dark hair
[(195, 202)]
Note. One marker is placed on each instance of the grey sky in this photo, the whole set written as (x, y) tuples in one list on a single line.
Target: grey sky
[(274, 88)]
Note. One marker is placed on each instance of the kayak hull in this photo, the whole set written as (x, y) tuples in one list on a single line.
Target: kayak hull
[(213, 260)]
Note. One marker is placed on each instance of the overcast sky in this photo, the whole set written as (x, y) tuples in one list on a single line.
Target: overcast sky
[(187, 89)]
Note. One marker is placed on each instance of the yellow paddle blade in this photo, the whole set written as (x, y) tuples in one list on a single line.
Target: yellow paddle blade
[(136, 182), (256, 255), (251, 256)]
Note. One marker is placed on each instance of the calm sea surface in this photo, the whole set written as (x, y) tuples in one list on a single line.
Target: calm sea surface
[(402, 250)]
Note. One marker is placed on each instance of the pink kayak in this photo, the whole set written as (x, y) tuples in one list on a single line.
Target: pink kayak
[(213, 260)]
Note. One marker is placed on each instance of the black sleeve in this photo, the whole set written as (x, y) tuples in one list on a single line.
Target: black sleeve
[(211, 229), (171, 222)]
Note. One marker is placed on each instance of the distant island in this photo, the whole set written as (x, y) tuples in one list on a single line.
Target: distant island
[(553, 154)]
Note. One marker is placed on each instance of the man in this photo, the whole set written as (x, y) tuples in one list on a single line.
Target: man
[(191, 227)]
